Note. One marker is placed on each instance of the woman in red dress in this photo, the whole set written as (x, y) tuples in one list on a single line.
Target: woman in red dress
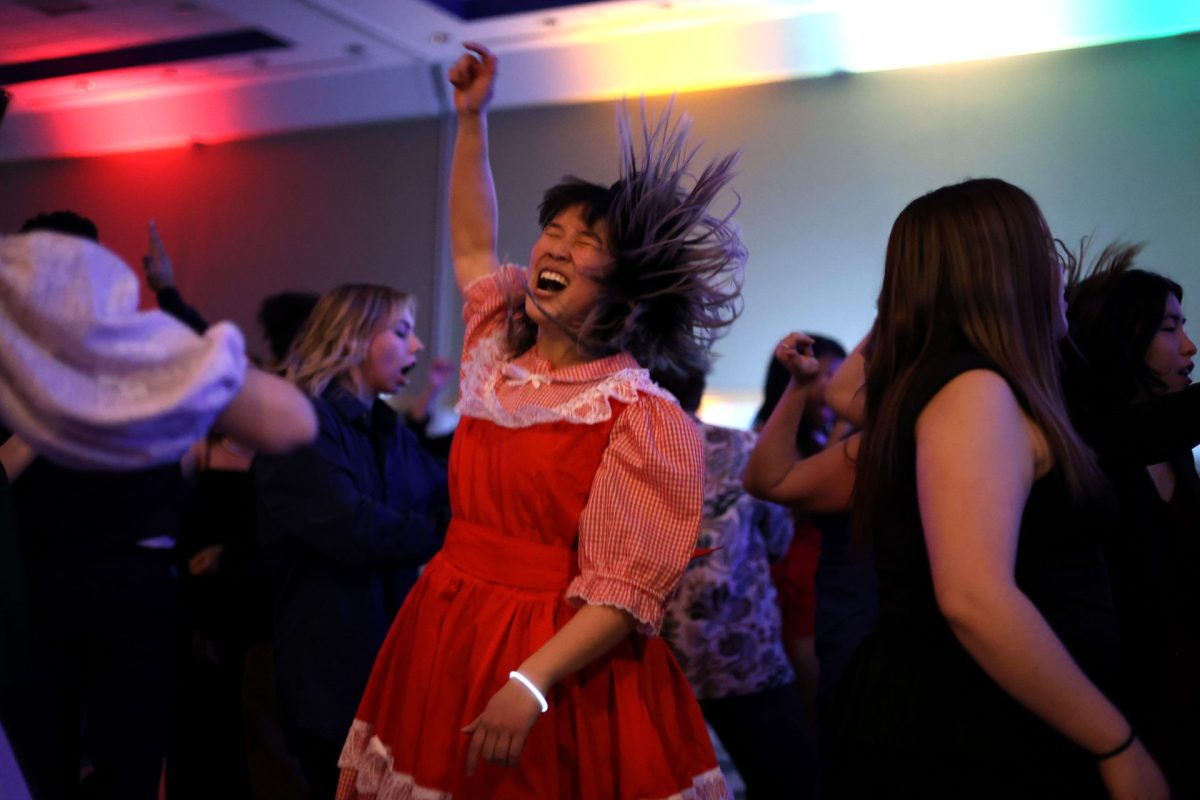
[(524, 662)]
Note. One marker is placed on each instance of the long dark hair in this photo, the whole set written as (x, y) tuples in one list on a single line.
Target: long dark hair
[(675, 285), (1115, 313), (970, 262)]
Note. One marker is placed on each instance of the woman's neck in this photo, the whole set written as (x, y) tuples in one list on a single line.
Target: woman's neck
[(560, 350), (353, 383)]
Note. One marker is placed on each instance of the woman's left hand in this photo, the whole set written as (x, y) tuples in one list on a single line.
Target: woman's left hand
[(795, 353), (498, 734)]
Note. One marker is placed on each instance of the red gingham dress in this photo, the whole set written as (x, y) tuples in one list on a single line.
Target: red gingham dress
[(571, 486)]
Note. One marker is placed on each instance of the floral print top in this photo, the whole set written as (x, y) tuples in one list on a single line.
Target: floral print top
[(723, 623)]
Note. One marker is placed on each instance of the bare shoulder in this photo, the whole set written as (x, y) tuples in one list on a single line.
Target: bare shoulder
[(972, 392), (977, 413)]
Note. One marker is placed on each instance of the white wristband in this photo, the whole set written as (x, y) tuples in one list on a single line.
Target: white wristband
[(528, 684)]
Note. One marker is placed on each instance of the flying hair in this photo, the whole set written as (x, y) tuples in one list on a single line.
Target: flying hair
[(675, 283)]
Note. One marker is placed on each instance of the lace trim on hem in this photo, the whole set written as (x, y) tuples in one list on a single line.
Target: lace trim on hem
[(370, 761), (710, 785), (485, 367)]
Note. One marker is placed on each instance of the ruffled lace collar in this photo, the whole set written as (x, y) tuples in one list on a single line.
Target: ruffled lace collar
[(487, 375)]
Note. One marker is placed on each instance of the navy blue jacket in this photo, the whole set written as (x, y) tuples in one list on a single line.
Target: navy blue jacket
[(345, 524)]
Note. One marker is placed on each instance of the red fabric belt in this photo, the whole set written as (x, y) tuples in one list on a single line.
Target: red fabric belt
[(495, 557)]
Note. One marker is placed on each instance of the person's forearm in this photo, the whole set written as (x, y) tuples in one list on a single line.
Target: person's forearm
[(1006, 634), (774, 453), (592, 632), (473, 216), (268, 415)]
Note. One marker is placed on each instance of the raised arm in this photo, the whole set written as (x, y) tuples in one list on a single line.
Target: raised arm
[(820, 484), (160, 275), (977, 457), (473, 221)]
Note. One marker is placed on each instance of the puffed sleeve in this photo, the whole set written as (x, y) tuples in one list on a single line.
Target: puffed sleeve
[(639, 528), (486, 300), (88, 379)]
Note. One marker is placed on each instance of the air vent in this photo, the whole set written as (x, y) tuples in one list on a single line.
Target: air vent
[(145, 55)]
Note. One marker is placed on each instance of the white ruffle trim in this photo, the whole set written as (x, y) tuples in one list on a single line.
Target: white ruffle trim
[(486, 366), (648, 614), (709, 786), (372, 762)]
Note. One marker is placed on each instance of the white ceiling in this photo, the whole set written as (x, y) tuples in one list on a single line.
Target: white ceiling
[(357, 61)]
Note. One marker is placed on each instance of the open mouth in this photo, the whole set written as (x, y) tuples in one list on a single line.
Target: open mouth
[(1187, 371), (405, 370), (550, 281)]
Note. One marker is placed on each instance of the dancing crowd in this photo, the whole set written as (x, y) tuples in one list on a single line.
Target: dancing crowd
[(959, 561)]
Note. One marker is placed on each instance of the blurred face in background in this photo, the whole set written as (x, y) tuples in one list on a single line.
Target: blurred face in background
[(391, 355), (1170, 353)]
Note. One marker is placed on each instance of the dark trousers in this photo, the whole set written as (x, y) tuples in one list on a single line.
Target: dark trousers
[(766, 737), (107, 637)]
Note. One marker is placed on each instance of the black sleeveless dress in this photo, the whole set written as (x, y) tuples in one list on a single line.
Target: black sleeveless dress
[(915, 715)]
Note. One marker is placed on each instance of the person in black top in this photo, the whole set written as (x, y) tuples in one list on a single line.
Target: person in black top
[(345, 523), (1137, 361), (990, 670)]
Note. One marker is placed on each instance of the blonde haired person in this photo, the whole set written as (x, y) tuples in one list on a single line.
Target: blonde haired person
[(345, 523)]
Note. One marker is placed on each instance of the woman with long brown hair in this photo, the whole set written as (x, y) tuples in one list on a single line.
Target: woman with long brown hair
[(995, 661)]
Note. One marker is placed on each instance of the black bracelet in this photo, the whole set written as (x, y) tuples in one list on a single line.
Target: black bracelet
[(1116, 751)]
